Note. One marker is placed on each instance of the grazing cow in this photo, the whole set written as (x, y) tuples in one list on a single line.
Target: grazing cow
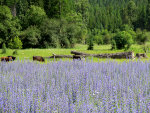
[(7, 59), (78, 57), (13, 58), (38, 58)]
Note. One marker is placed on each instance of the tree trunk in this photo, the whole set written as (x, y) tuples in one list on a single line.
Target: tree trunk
[(60, 56), (13, 10), (129, 55), (80, 53)]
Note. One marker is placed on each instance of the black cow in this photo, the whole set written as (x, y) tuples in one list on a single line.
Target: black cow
[(13, 58), (78, 57)]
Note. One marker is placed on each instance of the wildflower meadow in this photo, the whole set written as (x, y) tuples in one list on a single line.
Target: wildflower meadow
[(75, 87)]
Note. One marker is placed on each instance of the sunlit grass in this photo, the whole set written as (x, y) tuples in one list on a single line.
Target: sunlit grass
[(24, 54)]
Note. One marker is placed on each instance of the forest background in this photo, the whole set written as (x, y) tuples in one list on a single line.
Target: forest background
[(64, 23)]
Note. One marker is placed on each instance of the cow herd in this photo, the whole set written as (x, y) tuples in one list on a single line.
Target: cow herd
[(35, 58), (12, 58), (8, 58)]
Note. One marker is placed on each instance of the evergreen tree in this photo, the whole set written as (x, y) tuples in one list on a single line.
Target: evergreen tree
[(82, 7), (148, 16), (142, 19), (90, 42), (132, 12), (72, 19)]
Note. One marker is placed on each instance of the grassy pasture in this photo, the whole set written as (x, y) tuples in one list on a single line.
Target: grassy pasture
[(25, 54)]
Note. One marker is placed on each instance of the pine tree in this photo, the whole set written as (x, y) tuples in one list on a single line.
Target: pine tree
[(132, 11), (90, 42), (148, 15)]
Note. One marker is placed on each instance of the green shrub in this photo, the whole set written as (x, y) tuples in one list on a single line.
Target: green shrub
[(15, 43), (65, 43), (106, 36), (113, 43), (125, 27), (146, 48), (142, 37), (15, 52), (133, 34), (90, 42), (4, 48), (98, 39), (55, 41), (107, 39), (104, 32), (130, 30), (50, 33), (31, 37), (123, 40)]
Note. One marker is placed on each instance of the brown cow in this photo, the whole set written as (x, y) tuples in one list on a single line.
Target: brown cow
[(38, 58), (13, 58), (7, 59)]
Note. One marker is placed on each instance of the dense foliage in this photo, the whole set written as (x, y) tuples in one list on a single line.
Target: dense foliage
[(123, 40), (15, 43), (63, 23), (75, 86)]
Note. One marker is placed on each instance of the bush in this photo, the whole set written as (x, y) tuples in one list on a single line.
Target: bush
[(125, 27), (146, 48), (31, 37), (107, 39), (142, 37), (15, 43), (123, 40), (113, 43), (4, 48), (90, 42), (98, 39), (133, 34), (104, 32), (15, 52), (50, 33), (128, 29)]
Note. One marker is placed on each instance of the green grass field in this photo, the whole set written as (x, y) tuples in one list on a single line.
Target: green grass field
[(25, 54)]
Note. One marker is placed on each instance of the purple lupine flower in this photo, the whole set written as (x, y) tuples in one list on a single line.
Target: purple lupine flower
[(75, 86)]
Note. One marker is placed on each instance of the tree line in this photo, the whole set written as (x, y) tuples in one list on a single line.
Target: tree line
[(63, 23)]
